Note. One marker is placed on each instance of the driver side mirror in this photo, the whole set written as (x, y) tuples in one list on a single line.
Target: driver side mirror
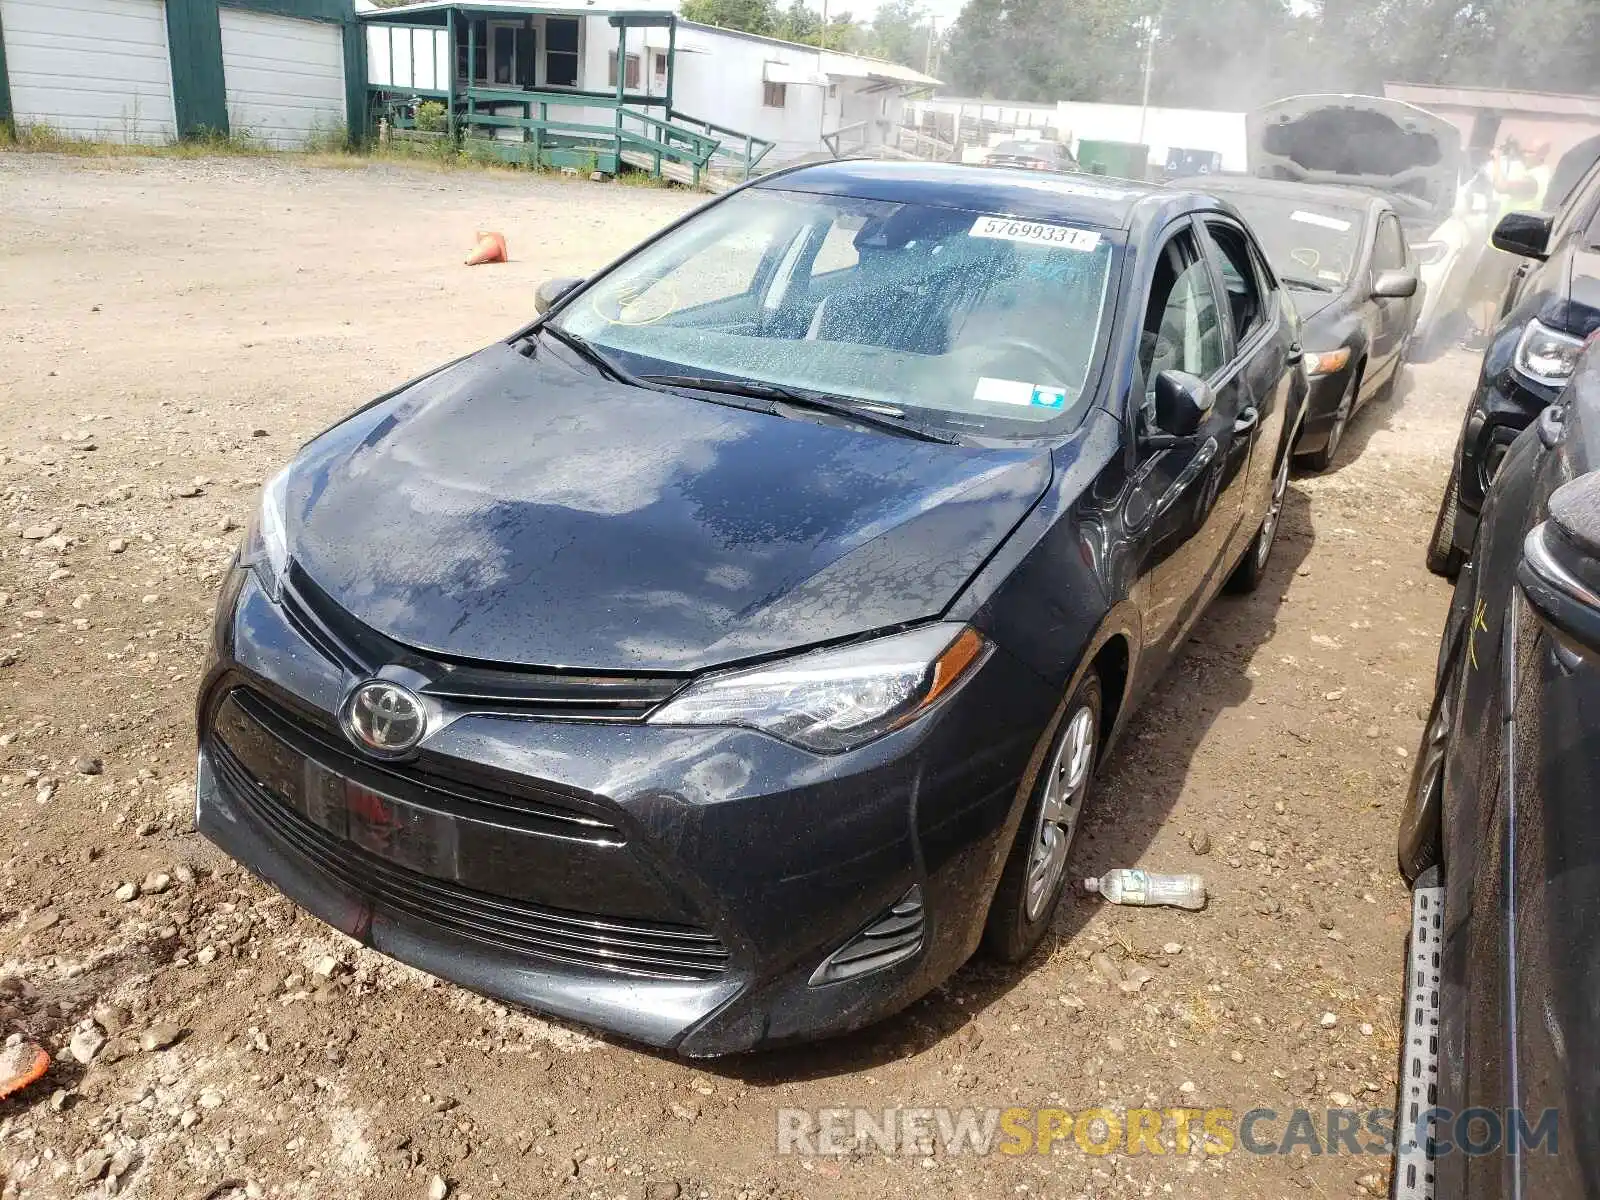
[(1560, 568), (551, 291), (1394, 284), (1183, 401), (1524, 233)]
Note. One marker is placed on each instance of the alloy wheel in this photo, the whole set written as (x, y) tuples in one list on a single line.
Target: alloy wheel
[(1269, 527), (1065, 788), (1436, 743), (1341, 418)]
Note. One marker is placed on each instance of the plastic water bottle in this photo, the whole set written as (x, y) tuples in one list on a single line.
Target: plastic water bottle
[(1128, 885)]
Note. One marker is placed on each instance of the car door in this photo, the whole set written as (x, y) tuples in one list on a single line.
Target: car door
[(1184, 502), (1259, 361), (1393, 314)]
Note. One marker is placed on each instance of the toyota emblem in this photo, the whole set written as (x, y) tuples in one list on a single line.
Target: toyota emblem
[(385, 718)]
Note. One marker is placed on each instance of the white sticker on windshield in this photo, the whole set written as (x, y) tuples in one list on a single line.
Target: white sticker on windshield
[(1017, 391), (1320, 220), (1062, 236)]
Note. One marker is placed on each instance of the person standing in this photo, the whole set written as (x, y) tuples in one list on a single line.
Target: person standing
[(1521, 183)]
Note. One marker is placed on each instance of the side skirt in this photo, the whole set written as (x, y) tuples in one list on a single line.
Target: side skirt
[(1419, 1064)]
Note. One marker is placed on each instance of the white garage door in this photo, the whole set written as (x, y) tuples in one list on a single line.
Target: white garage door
[(285, 77), (90, 68)]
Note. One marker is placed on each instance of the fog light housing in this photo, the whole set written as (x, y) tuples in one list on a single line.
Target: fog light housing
[(893, 938)]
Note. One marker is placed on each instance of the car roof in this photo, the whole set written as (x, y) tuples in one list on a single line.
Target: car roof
[(1311, 193), (1029, 195)]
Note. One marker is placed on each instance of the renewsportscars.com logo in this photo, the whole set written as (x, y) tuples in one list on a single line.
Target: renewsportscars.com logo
[(830, 1132)]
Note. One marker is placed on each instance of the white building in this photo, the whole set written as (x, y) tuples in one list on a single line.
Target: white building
[(542, 80), (1163, 130)]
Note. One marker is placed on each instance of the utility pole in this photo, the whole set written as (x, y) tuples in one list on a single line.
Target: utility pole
[(1152, 29), (927, 61)]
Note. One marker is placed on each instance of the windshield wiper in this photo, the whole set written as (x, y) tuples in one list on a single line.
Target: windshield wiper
[(1308, 285), (592, 355), (862, 412)]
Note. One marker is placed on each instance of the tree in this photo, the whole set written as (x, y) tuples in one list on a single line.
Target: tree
[(902, 31), (799, 23), (1234, 54), (748, 16)]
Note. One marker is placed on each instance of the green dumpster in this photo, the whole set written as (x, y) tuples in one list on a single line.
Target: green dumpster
[(1125, 160)]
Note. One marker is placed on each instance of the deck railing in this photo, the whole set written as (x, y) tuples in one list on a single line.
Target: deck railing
[(562, 140)]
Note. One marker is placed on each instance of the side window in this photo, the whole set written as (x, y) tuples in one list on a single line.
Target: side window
[(1389, 249), (688, 284), (1182, 328), (1239, 280), (837, 252), (1582, 205)]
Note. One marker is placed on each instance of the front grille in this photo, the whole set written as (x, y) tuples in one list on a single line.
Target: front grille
[(608, 944), (528, 692), (426, 779)]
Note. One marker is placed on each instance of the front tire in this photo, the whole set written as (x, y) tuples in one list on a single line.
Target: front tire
[(1035, 874), (1421, 821), (1445, 558)]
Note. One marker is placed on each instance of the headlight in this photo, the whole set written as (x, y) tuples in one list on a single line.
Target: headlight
[(833, 700), (266, 542), (1327, 362), (1429, 253), (1547, 355)]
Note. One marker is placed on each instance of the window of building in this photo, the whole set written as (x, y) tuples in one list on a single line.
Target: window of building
[(774, 95), (561, 52), (505, 54), (658, 70), (632, 84)]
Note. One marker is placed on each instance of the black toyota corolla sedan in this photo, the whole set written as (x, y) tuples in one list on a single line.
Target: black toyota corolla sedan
[(1500, 839), (1342, 256), (723, 657)]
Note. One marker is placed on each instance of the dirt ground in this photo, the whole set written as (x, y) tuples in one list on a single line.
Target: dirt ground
[(171, 331)]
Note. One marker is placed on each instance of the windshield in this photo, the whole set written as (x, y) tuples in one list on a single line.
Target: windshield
[(1305, 241), (965, 319)]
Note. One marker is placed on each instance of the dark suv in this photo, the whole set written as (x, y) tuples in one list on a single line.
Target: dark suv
[(1552, 305)]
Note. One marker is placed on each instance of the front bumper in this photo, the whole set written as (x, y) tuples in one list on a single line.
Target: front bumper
[(678, 887), (1504, 403), (1323, 394)]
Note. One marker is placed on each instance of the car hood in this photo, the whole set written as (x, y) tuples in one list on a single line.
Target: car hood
[(525, 512), (1358, 141), (1309, 303)]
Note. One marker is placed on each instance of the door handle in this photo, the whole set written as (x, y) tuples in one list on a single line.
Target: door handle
[(1246, 421), (1296, 353)]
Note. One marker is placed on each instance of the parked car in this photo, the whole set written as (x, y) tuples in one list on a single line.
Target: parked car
[(723, 657), (1040, 155), (1552, 304), (1499, 839), (1407, 154), (1342, 256)]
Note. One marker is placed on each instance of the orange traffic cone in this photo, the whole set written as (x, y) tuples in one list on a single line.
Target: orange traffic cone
[(20, 1065), (491, 248)]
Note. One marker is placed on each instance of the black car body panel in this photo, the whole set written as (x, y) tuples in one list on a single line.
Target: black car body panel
[(541, 594), (679, 541), (1562, 292), (1516, 832)]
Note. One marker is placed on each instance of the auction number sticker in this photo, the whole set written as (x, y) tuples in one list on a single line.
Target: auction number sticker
[(1035, 232)]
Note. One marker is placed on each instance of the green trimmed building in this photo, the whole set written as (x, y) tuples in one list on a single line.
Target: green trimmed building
[(283, 72)]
